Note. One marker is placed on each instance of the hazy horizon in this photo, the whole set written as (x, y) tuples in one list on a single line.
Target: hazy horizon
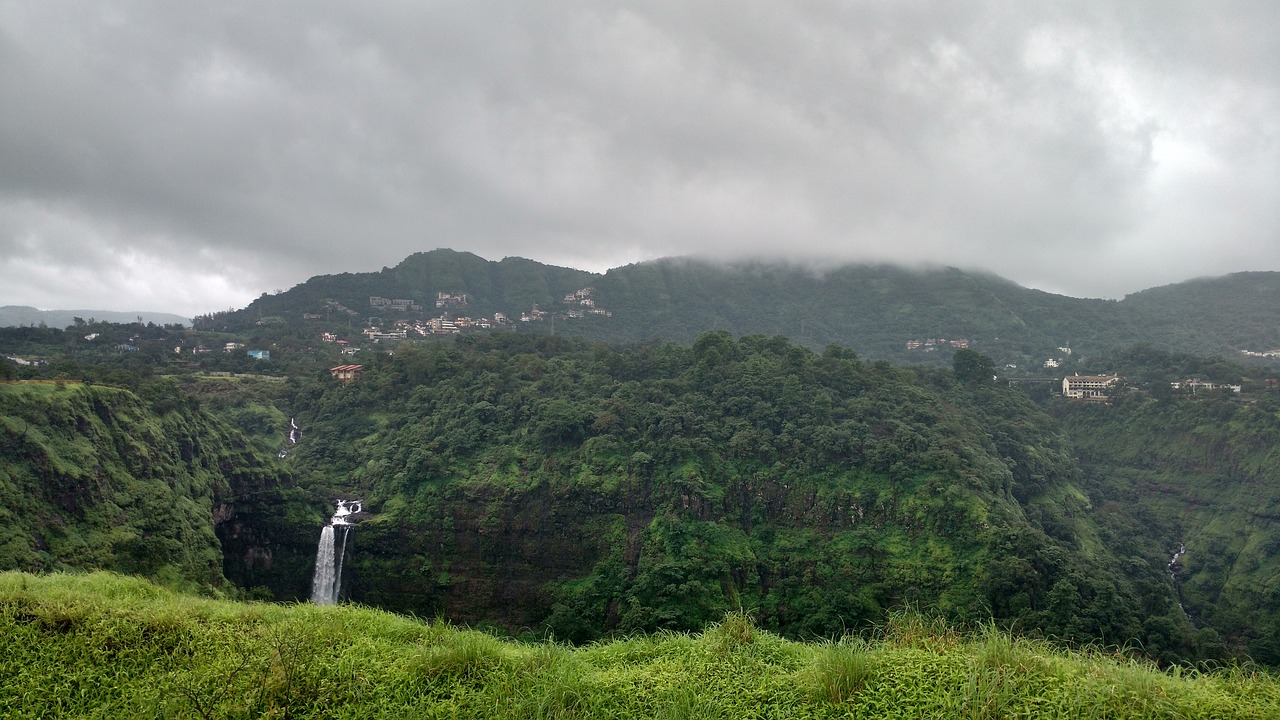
[(191, 157), (817, 270)]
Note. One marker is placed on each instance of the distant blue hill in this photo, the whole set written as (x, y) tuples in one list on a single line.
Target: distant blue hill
[(19, 315)]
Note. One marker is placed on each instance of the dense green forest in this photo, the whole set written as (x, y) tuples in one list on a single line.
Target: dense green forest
[(551, 485), (1197, 477), (544, 482)]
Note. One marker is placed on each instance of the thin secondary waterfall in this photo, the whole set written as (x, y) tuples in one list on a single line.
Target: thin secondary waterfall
[(326, 584), (1172, 568)]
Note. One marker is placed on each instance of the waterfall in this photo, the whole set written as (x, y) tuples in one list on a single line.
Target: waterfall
[(337, 564), (324, 589), (295, 434), (326, 584), (1172, 568)]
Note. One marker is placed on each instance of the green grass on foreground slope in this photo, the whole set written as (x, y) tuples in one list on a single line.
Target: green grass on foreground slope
[(102, 645)]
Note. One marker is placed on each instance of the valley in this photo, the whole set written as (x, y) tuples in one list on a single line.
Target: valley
[(626, 474)]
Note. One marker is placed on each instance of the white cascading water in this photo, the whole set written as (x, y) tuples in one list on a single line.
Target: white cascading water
[(1172, 568), (327, 581)]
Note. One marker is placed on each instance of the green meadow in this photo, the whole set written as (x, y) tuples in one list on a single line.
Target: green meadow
[(111, 646)]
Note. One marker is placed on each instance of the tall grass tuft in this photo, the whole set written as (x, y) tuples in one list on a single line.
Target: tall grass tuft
[(685, 703), (842, 670), (735, 632), (469, 658), (560, 691), (914, 629)]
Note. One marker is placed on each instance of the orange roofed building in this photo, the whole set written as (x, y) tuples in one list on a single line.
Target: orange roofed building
[(346, 373)]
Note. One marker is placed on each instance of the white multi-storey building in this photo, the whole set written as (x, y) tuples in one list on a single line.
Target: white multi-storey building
[(1088, 386)]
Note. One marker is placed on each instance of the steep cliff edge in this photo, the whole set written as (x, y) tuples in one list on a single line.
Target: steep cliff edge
[(1191, 481), (105, 477)]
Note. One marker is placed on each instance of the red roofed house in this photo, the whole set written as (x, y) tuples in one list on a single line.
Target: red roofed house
[(346, 373)]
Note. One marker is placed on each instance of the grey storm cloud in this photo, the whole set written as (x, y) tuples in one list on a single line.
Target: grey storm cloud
[(187, 157)]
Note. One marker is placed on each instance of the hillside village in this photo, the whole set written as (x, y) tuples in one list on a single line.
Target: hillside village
[(268, 336), (188, 349), (578, 304)]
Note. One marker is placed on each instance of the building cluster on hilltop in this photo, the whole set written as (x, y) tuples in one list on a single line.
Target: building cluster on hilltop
[(1195, 385), (398, 304), (581, 303), (583, 298), (449, 300), (442, 325), (932, 344), (1100, 387)]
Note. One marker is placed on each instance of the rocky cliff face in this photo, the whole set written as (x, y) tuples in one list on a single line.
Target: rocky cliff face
[(267, 529), (482, 555)]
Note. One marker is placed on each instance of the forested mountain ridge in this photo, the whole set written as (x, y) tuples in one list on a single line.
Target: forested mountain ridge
[(509, 285), (874, 309), (1239, 311)]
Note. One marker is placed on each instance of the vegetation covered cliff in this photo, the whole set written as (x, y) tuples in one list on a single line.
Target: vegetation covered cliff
[(550, 484), (93, 476), (1193, 481)]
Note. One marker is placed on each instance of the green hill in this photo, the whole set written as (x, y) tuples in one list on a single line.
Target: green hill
[(1211, 316), (511, 285), (14, 315), (874, 309), (105, 646)]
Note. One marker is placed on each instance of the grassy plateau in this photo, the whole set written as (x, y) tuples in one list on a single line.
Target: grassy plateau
[(112, 646)]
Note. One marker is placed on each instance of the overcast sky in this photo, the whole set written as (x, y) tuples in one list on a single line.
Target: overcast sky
[(158, 156)]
